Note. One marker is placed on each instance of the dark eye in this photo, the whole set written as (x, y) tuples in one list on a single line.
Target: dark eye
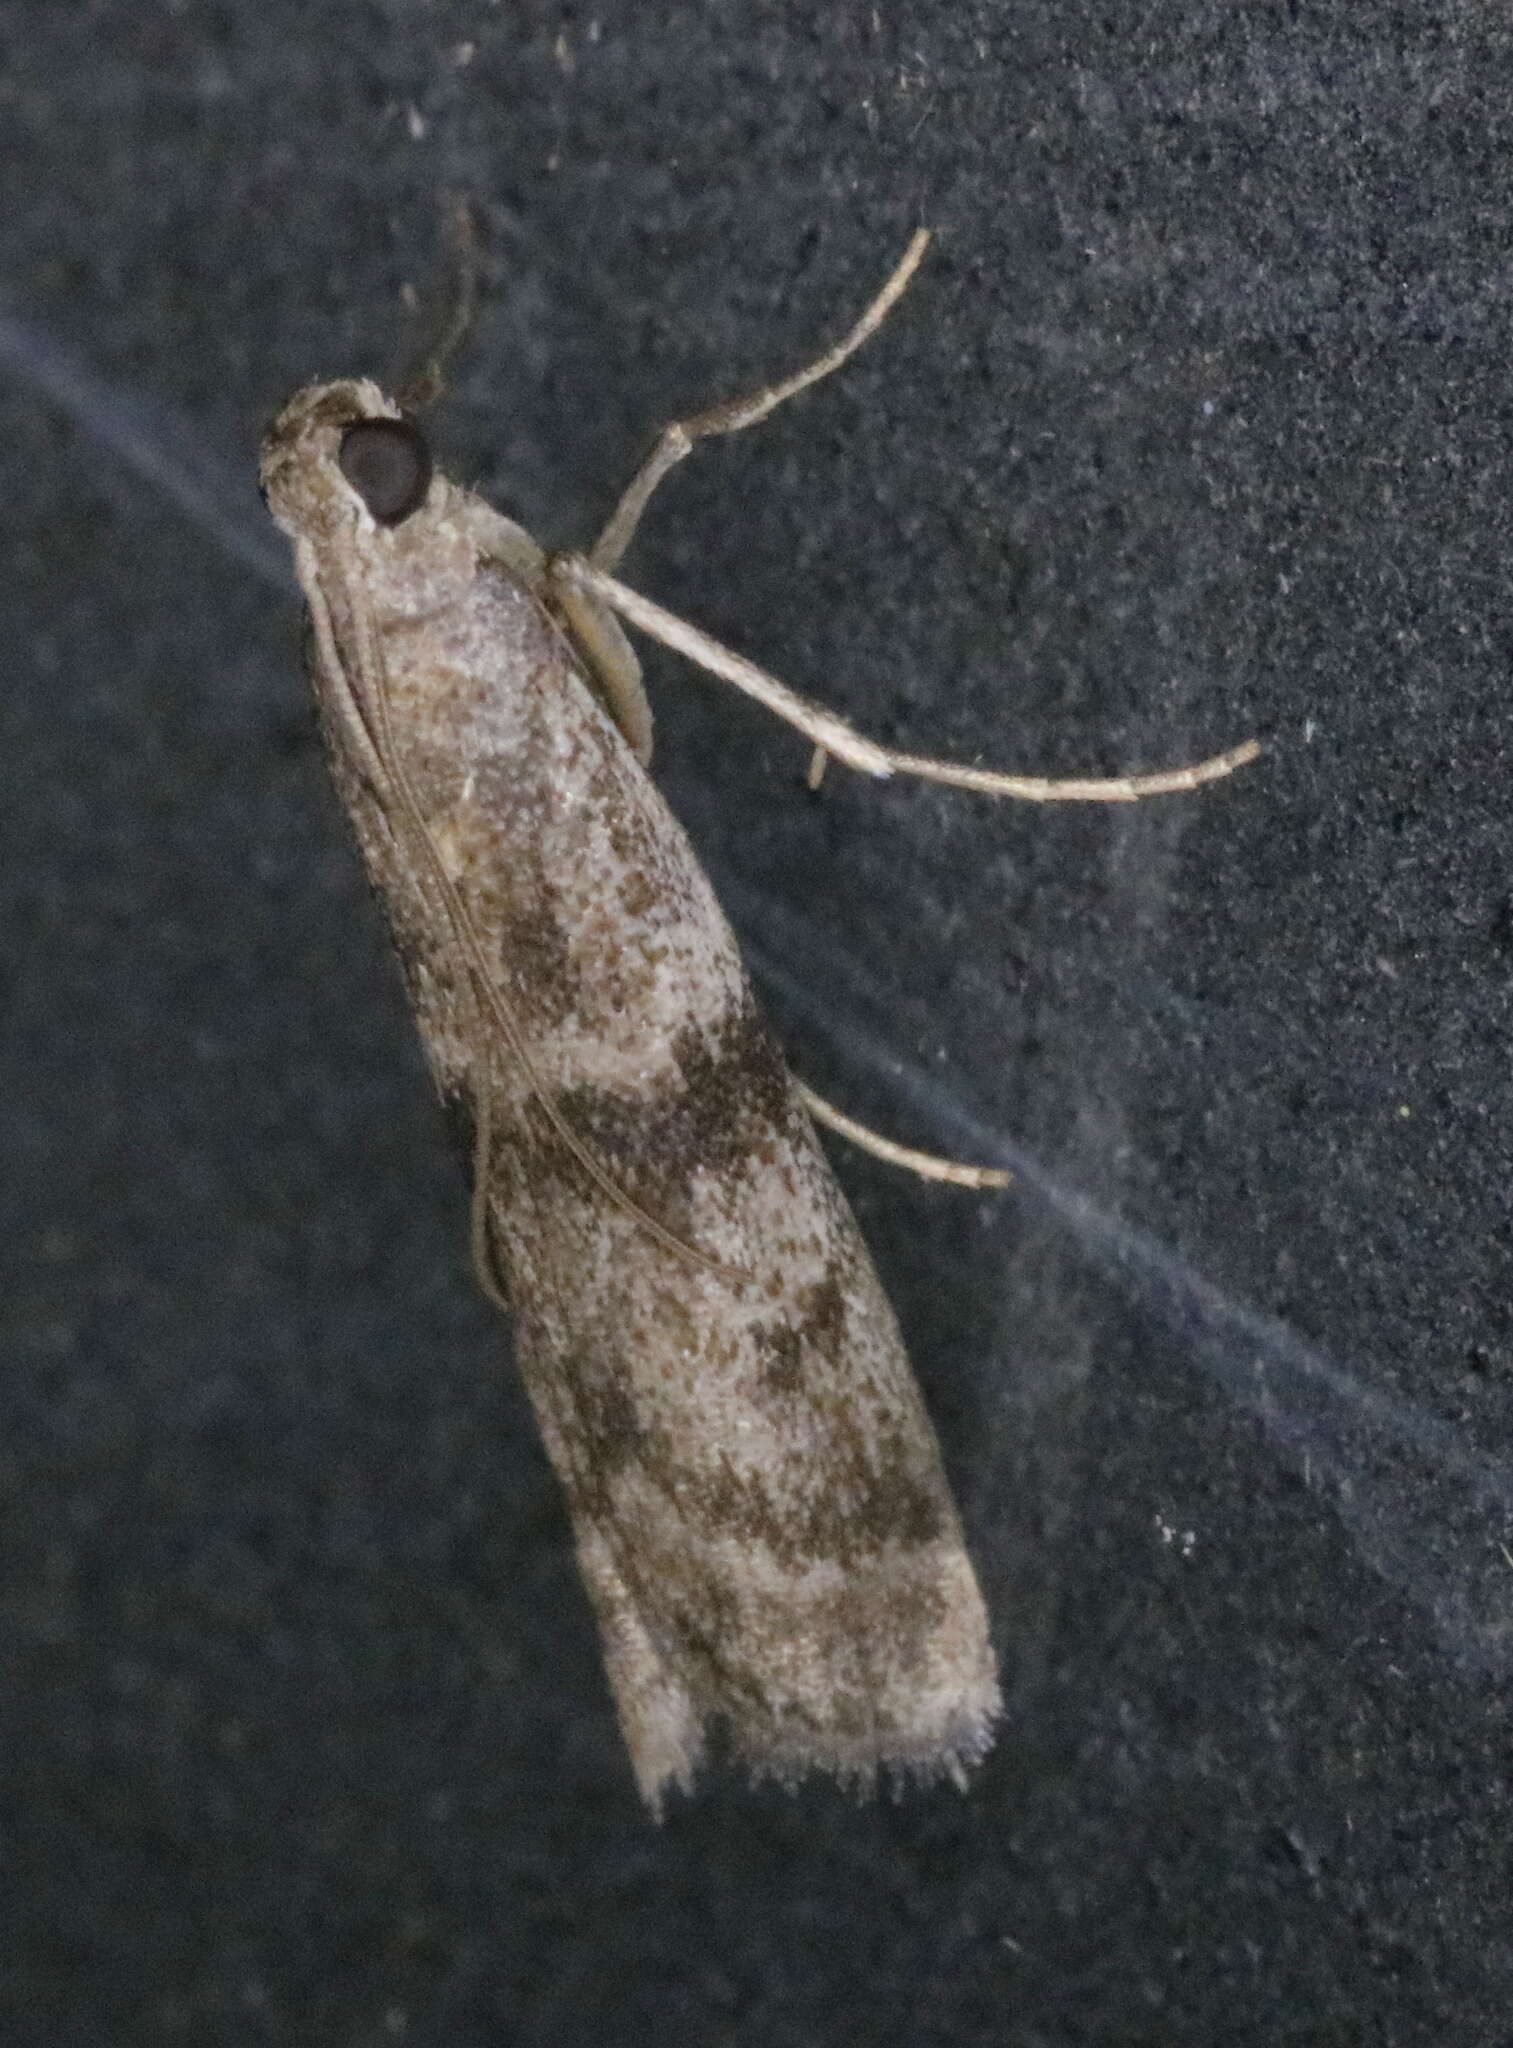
[(388, 464)]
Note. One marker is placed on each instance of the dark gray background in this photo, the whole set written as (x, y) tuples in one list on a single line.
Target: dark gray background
[(1195, 424)]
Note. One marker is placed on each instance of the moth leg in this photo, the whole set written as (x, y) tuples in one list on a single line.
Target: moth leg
[(677, 440), (613, 669), (832, 735), (925, 1164)]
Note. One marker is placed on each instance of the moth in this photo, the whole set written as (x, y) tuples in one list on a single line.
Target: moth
[(758, 1502)]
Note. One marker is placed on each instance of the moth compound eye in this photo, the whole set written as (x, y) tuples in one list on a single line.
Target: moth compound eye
[(388, 464)]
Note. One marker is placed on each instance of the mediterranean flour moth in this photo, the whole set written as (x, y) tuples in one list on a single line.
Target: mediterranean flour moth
[(758, 1501)]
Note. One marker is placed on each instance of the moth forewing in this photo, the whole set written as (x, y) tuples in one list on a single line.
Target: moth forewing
[(757, 1497)]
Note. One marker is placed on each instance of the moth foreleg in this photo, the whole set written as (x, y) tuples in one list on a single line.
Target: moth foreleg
[(729, 417), (611, 664)]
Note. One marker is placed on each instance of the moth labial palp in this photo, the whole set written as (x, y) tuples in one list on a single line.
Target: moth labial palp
[(758, 1502)]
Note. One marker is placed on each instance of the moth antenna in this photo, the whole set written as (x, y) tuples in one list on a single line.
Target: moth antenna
[(450, 307)]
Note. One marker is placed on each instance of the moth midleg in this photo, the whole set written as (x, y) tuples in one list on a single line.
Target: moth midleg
[(927, 1165), (832, 735), (732, 414)]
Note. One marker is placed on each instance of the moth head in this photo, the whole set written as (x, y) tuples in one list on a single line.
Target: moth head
[(343, 455)]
